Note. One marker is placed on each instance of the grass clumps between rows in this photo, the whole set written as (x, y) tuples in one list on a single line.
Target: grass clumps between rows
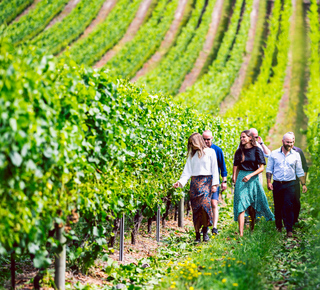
[(262, 259)]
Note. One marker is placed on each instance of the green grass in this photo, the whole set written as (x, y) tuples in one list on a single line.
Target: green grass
[(263, 259)]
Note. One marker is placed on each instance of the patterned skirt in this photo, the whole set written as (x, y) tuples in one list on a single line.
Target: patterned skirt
[(200, 197), (250, 193)]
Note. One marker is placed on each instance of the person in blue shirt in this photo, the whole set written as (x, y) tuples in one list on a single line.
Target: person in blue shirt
[(207, 136)]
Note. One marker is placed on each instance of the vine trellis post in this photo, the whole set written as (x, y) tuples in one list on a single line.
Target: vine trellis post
[(121, 238), (158, 224), (60, 260), (13, 270), (181, 212)]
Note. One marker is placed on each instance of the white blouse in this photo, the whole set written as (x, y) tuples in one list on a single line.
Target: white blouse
[(206, 165)]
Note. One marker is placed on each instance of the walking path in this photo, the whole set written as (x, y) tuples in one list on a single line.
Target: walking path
[(167, 41), (103, 13), (67, 9), (277, 131), (207, 47), (131, 32), (27, 10), (235, 90)]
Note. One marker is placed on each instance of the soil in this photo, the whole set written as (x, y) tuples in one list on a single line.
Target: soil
[(103, 13), (67, 9), (167, 41), (27, 10), (235, 90), (207, 47), (131, 32), (146, 246), (277, 131)]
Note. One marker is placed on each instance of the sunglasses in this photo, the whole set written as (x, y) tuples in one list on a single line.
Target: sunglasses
[(207, 139), (256, 137)]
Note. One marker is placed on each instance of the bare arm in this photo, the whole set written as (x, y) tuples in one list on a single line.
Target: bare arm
[(224, 184), (303, 182), (235, 173), (269, 176), (265, 149), (258, 171)]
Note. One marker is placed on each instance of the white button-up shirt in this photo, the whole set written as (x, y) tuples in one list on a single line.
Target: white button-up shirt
[(285, 167)]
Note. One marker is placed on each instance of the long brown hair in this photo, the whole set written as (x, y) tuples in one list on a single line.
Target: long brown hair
[(252, 142), (196, 141)]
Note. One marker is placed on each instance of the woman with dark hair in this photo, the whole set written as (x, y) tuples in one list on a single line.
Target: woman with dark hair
[(202, 167), (249, 196)]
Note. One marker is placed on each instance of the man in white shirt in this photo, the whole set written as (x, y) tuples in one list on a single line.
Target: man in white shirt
[(285, 164)]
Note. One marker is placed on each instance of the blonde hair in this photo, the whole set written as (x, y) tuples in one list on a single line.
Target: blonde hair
[(196, 143)]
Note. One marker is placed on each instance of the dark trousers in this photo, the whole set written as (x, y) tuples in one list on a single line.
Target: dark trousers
[(296, 203), (283, 197)]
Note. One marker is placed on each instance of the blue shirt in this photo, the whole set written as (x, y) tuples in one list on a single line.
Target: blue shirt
[(220, 158), (285, 167)]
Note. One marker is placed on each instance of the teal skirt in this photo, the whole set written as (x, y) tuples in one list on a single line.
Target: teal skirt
[(250, 193)]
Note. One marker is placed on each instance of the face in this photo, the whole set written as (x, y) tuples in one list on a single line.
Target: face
[(244, 138), (288, 143), (255, 135), (207, 139)]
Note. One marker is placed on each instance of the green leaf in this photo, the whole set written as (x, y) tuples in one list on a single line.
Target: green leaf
[(33, 248), (16, 158), (13, 124), (41, 260)]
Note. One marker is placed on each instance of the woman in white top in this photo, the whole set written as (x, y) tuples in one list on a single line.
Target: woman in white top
[(202, 167)]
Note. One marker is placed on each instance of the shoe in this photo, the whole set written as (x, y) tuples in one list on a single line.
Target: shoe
[(289, 234), (215, 231), (205, 234), (198, 238)]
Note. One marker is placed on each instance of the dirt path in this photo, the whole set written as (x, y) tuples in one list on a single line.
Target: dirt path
[(26, 11), (167, 41), (131, 32), (235, 90), (103, 13), (207, 47), (296, 118), (277, 131), (67, 9)]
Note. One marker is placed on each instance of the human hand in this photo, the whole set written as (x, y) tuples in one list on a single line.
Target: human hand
[(259, 140), (246, 178), (223, 186), (177, 184), (214, 188), (270, 186), (234, 179), (304, 189)]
